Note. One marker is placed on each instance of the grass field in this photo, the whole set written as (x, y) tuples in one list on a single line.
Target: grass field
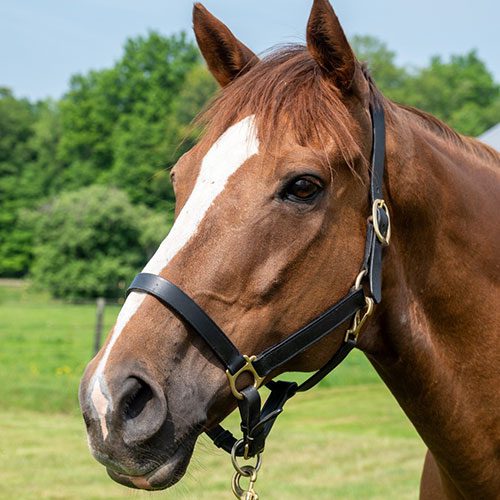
[(346, 440)]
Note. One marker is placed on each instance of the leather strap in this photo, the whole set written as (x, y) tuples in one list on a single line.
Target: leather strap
[(378, 150), (250, 414), (176, 300), (373, 250), (337, 358), (281, 392), (298, 342)]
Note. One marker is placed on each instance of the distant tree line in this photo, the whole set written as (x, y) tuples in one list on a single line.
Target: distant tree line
[(462, 91), (85, 194)]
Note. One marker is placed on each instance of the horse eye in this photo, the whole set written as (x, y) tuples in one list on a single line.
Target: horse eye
[(302, 189)]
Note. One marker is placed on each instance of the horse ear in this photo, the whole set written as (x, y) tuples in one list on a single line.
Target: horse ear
[(328, 45), (225, 55)]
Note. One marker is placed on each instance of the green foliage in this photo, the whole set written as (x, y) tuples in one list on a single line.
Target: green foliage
[(462, 92), (90, 242), (390, 78), (119, 125), (16, 152), (198, 90)]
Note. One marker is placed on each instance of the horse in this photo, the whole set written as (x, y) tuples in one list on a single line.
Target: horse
[(271, 229)]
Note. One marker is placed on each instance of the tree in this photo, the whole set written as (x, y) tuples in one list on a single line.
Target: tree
[(462, 92), (122, 126), (118, 124), (389, 77), (16, 152), (91, 242)]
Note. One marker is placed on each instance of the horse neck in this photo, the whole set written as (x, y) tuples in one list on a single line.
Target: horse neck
[(434, 341)]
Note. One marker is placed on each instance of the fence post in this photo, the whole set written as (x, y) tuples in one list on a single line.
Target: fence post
[(101, 302)]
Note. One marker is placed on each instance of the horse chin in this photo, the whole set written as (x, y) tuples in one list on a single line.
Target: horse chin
[(163, 476)]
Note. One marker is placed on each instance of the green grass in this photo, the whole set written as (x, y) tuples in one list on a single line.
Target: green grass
[(346, 440), (335, 443), (45, 346)]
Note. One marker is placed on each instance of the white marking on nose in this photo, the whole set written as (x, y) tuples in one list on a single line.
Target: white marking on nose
[(233, 148), (101, 404)]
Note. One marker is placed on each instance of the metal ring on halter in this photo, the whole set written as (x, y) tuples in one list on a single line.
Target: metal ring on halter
[(383, 238), (359, 277), (359, 320), (243, 470), (238, 490)]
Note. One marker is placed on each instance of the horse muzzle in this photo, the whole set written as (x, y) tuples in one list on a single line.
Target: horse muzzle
[(132, 431)]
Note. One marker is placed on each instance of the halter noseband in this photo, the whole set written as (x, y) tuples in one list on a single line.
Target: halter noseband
[(357, 305)]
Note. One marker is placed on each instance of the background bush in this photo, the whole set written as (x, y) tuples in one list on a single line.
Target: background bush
[(91, 242)]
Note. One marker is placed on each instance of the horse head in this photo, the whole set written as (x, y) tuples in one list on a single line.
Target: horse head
[(270, 227)]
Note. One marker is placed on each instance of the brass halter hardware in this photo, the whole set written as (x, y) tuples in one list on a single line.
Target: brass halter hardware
[(247, 367), (246, 471), (359, 277), (381, 205), (249, 493), (359, 320)]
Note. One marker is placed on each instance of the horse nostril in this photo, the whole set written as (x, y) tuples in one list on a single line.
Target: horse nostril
[(137, 399), (141, 410)]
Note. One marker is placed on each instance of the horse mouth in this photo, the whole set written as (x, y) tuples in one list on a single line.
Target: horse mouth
[(163, 476)]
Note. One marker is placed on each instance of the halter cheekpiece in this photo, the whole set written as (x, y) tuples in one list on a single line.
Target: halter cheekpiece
[(357, 305)]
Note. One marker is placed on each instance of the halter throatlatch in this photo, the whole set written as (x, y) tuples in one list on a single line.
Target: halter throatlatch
[(357, 305)]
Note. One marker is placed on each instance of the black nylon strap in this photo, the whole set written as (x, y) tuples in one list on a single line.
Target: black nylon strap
[(174, 298), (314, 331)]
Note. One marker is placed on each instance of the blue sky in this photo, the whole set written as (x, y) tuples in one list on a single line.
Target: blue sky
[(42, 43)]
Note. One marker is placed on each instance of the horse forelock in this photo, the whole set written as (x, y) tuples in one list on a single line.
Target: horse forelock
[(288, 94)]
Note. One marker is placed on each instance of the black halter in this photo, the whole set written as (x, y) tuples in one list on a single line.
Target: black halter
[(357, 305)]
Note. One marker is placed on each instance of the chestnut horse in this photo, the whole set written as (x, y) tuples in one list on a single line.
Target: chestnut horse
[(270, 232)]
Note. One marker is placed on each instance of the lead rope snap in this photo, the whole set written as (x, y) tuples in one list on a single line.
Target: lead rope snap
[(247, 471)]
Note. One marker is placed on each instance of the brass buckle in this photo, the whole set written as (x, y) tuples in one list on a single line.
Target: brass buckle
[(381, 205), (359, 321), (247, 367)]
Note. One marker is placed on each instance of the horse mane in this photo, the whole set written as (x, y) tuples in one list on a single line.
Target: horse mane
[(435, 125), (441, 129), (287, 89)]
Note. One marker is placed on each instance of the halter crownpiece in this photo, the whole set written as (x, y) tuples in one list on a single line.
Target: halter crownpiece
[(357, 305)]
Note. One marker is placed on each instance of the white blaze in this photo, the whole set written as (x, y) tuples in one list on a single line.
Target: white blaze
[(236, 145)]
